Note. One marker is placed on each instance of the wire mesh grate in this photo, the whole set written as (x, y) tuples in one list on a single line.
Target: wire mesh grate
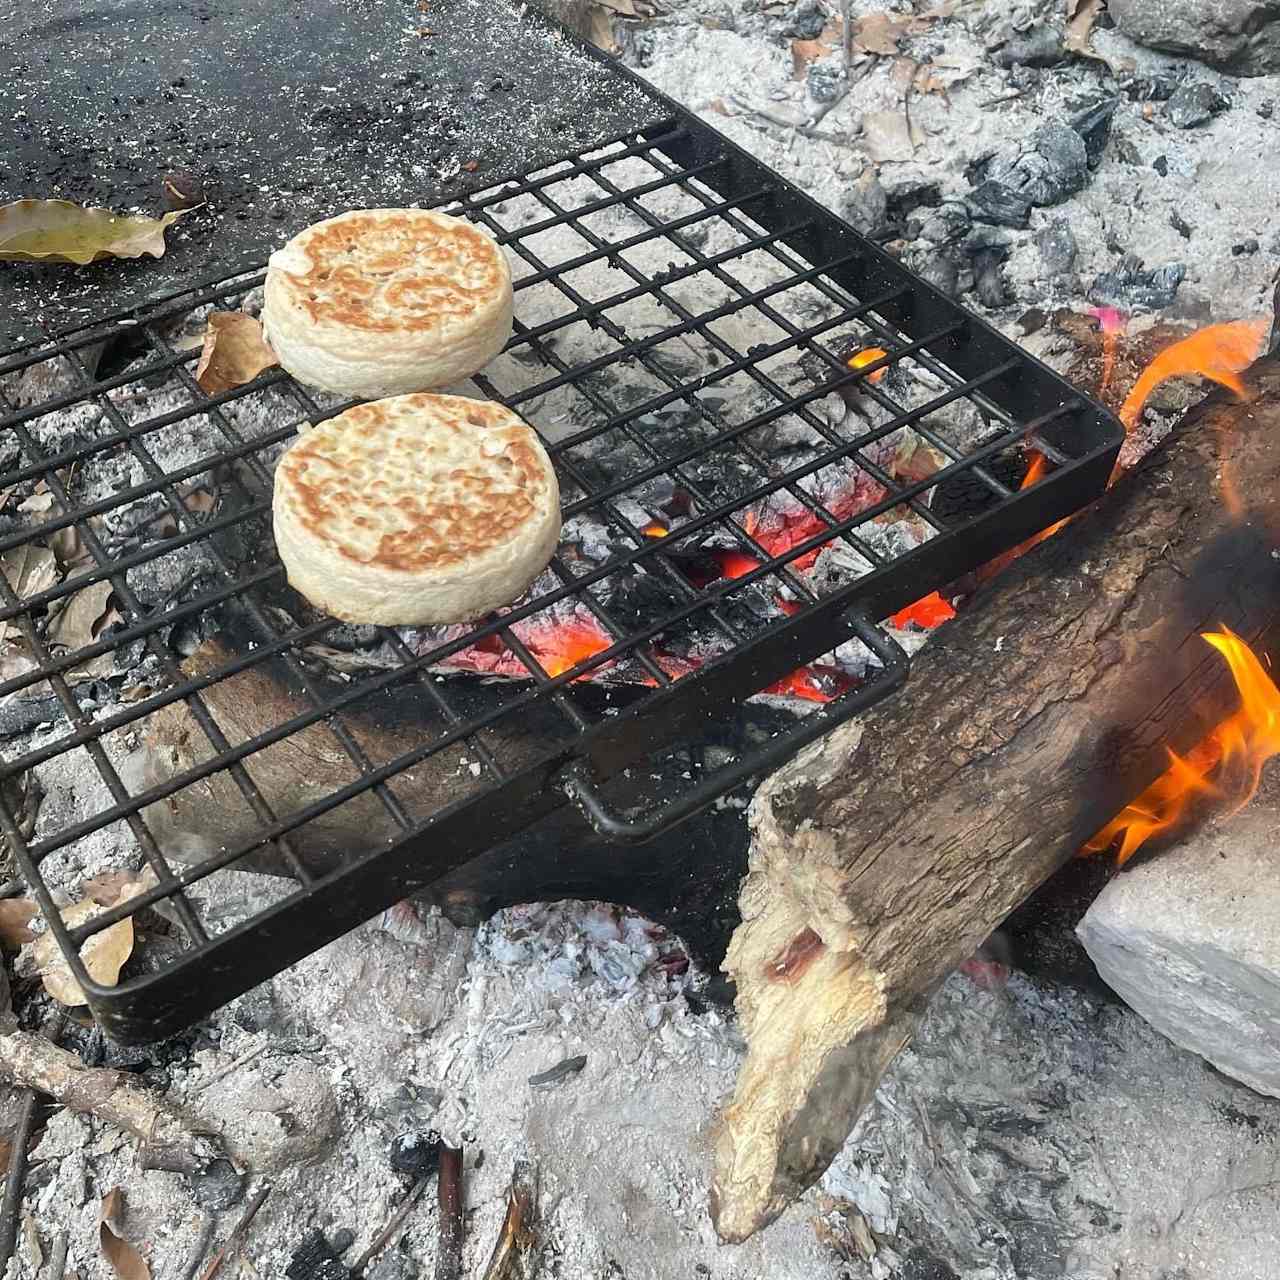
[(733, 387)]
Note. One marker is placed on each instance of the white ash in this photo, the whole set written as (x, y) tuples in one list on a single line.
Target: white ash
[(1025, 1134)]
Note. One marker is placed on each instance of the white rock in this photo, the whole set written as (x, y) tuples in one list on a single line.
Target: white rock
[(1191, 940)]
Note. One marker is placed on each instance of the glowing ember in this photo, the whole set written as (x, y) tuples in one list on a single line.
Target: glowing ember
[(928, 612), (1220, 352), (868, 355), (654, 530), (1226, 764), (562, 647)]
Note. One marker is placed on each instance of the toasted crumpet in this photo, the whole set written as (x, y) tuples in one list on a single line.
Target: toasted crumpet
[(379, 302), (416, 510)]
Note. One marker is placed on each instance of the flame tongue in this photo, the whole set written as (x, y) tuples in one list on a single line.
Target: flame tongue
[(1234, 753), (1220, 352)]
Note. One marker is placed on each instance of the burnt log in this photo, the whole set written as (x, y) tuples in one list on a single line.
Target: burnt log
[(886, 853)]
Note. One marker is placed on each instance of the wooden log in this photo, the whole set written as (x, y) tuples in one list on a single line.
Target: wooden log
[(884, 855)]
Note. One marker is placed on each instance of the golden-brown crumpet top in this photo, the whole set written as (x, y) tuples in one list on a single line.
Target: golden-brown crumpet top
[(383, 301), (416, 509)]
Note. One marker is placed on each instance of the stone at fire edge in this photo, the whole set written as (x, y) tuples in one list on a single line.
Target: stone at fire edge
[(1242, 36), (1191, 941)]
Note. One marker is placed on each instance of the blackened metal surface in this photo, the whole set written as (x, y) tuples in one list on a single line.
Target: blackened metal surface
[(287, 111)]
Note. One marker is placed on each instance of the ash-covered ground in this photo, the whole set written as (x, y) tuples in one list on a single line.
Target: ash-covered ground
[(1028, 1133)]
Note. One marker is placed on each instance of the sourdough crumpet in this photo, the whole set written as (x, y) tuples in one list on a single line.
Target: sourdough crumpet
[(416, 510), (378, 302)]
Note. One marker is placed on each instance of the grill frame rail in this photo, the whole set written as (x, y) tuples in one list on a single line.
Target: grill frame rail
[(1031, 404)]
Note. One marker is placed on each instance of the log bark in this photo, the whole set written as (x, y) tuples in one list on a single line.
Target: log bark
[(883, 856)]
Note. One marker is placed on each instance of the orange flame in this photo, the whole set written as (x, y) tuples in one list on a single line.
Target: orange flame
[(1234, 753), (1220, 352)]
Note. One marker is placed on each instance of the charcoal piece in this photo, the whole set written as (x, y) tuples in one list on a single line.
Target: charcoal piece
[(1132, 289), (1247, 247), (1195, 103), (940, 270), (946, 223), (995, 202), (416, 1152), (1056, 166), (217, 1186), (1057, 245), (866, 206), (988, 282), (1161, 165), (1041, 46), (342, 1240), (22, 711), (393, 1265), (825, 79), (561, 1071), (1180, 225), (1094, 127), (313, 1259), (1157, 88), (806, 20)]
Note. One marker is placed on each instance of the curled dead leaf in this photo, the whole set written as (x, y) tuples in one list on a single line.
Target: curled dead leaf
[(234, 353), (78, 619), (804, 52), (880, 32), (103, 955), (59, 231), (15, 915), (29, 570), (125, 1260)]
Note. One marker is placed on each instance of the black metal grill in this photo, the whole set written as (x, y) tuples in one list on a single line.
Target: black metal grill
[(680, 217)]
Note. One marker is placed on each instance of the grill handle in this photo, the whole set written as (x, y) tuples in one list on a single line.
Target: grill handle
[(579, 784)]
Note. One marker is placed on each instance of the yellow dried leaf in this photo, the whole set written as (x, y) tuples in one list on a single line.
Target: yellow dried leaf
[(103, 955), (59, 231), (125, 1260), (234, 353), (15, 915)]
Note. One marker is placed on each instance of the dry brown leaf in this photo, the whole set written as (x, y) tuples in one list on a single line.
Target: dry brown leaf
[(15, 915), (1081, 15), (125, 1260), (80, 617), (103, 955), (718, 106), (234, 353), (30, 570), (59, 231), (69, 547), (6, 1149), (879, 33), (624, 8), (110, 887), (804, 52)]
